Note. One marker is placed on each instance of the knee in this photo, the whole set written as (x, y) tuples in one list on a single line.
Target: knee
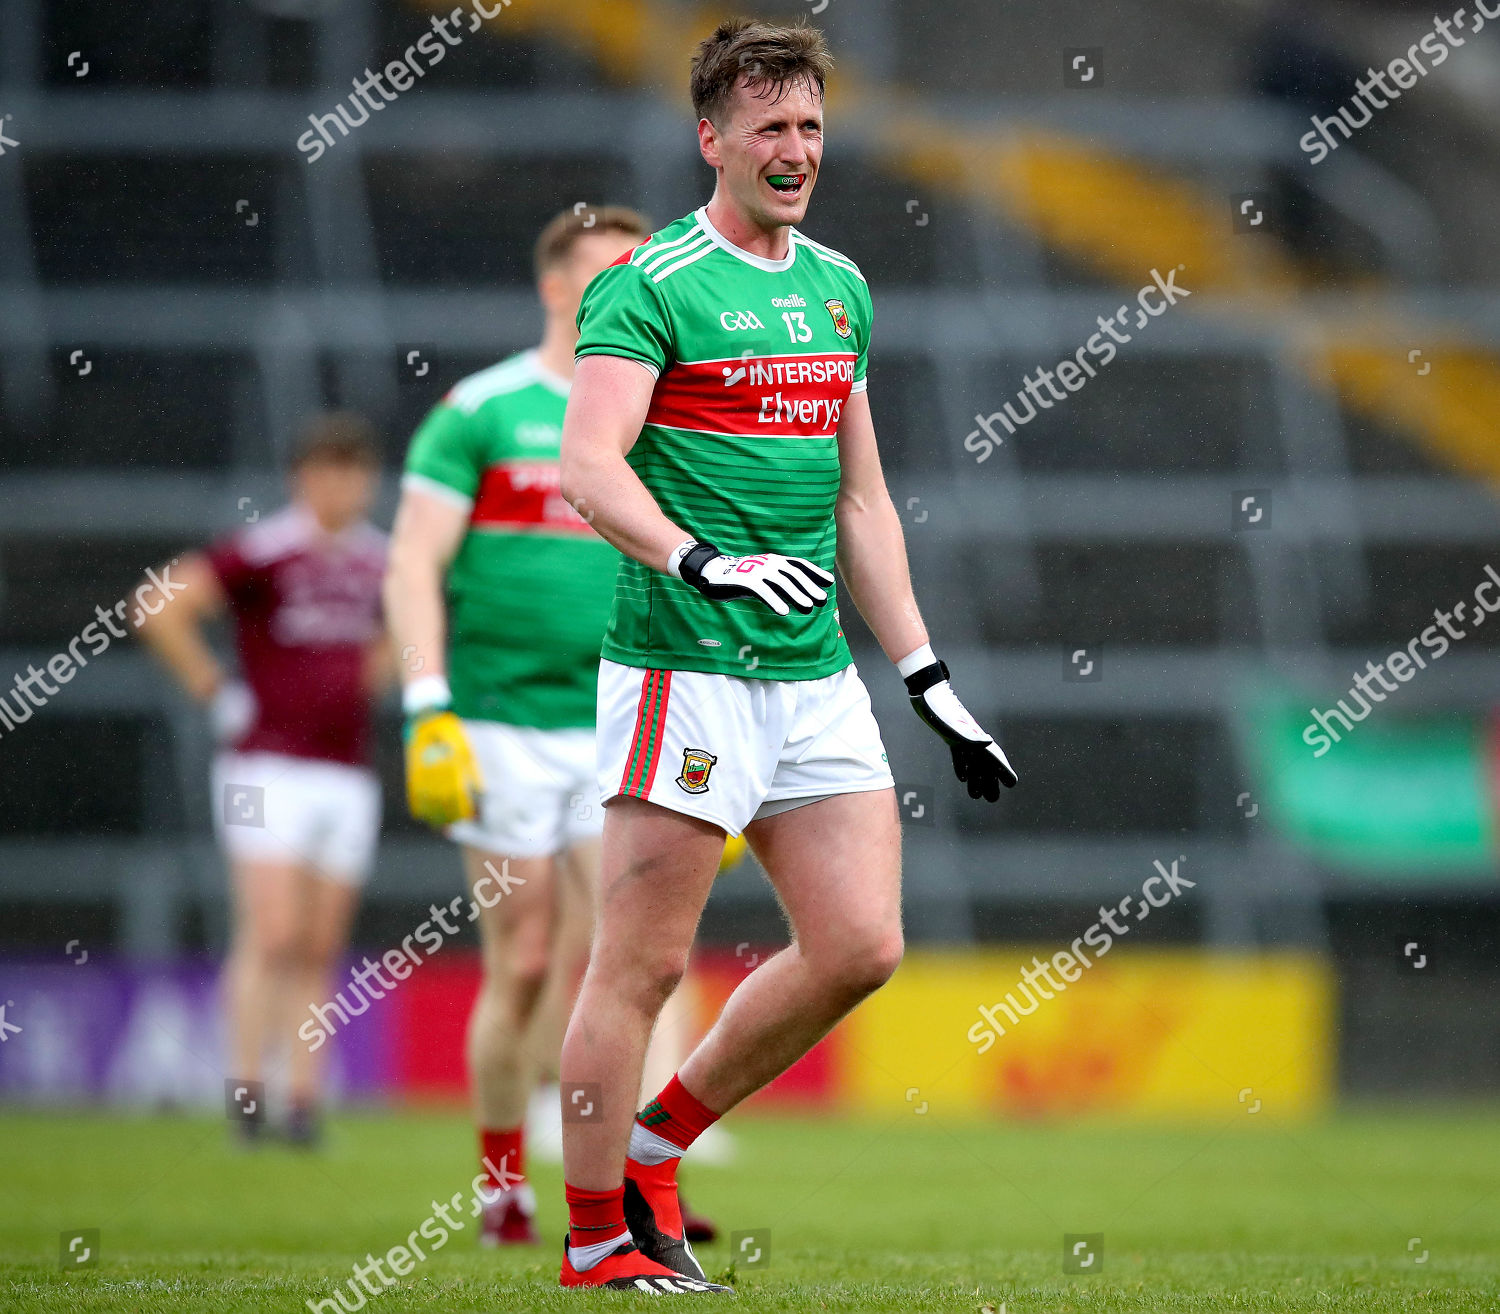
[(530, 973), (663, 975), (276, 949), (879, 960), (648, 980), (867, 962), (318, 956), (520, 973)]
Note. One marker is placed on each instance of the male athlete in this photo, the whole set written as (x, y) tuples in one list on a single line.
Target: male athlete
[(499, 593), (719, 435), (296, 804)]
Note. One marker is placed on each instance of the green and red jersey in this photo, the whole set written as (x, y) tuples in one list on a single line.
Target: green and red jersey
[(754, 360), (530, 587)]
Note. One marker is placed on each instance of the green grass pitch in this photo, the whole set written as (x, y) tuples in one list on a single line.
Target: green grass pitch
[(1367, 1212)]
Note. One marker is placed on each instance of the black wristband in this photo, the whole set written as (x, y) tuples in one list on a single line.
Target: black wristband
[(691, 566), (919, 682)]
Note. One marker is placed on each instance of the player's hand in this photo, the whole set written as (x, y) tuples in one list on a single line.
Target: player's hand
[(977, 759), (442, 777), (782, 583)]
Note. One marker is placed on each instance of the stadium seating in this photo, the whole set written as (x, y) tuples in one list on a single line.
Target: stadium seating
[(186, 286)]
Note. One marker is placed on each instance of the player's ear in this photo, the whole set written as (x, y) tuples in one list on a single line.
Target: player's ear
[(551, 289), (708, 144)]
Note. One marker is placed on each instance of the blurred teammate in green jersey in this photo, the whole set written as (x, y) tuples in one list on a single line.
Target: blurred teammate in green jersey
[(498, 595)]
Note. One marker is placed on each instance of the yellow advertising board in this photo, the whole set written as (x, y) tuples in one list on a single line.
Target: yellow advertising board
[(1150, 1033)]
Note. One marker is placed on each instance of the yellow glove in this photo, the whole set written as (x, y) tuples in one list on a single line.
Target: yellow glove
[(734, 852), (442, 777)]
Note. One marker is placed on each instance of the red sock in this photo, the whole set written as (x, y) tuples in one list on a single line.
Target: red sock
[(676, 1115), (500, 1156), (594, 1216)]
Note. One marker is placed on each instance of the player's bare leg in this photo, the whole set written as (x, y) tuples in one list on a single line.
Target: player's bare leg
[(675, 1028), (576, 878), (836, 866), (577, 882), (325, 912), (515, 935), (262, 957), (673, 1040), (658, 868)]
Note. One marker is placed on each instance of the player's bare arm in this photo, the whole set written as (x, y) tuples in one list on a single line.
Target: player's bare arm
[(426, 534), (380, 665), (872, 548), (872, 560), (441, 775), (611, 396), (175, 633), (606, 410)]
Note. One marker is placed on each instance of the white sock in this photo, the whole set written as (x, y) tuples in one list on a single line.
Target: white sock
[(648, 1148), (523, 1195), (584, 1258)]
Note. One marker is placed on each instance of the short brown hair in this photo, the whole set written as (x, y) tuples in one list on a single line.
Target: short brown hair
[(562, 231), (769, 55), (337, 438)]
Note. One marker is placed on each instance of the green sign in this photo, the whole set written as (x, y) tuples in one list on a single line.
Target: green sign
[(1397, 796)]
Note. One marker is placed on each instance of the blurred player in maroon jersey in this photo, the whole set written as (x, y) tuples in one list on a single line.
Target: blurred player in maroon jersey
[(296, 805)]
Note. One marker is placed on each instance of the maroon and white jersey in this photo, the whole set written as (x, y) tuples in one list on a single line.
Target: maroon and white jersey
[(306, 605)]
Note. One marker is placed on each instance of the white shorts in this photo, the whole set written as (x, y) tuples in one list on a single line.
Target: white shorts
[(540, 790), (269, 807), (731, 750)]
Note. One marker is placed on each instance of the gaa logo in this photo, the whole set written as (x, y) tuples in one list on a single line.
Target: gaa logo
[(735, 321)]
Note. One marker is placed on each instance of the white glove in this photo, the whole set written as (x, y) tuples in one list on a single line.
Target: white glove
[(977, 759), (782, 583)]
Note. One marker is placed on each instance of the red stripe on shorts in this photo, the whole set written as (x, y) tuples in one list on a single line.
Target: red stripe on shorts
[(647, 681), (658, 729)]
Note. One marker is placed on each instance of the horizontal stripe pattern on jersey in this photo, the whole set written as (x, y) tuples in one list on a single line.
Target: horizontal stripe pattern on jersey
[(791, 483), (755, 362), (530, 588)]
